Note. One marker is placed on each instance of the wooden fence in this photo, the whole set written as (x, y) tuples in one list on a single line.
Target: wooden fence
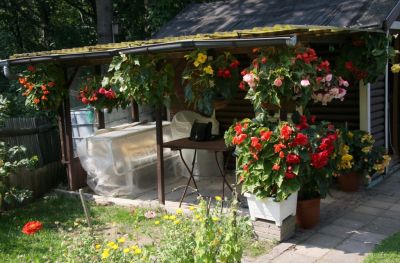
[(41, 138)]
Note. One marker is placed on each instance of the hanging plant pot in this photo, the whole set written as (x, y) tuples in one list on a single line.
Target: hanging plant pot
[(349, 182), (308, 213), (268, 209)]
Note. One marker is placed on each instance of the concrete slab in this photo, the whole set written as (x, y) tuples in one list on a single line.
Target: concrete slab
[(336, 256), (292, 257), (367, 237), (355, 246), (369, 210)]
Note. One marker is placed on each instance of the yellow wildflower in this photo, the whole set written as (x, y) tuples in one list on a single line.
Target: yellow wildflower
[(110, 244), (395, 68), (138, 251), (192, 208), (126, 250), (166, 217), (172, 217), (97, 246), (218, 198), (209, 70), (215, 219), (121, 240), (177, 222), (115, 246), (134, 247), (157, 222), (105, 254), (179, 211)]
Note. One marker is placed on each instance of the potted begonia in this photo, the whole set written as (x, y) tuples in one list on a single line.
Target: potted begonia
[(358, 159), (268, 165)]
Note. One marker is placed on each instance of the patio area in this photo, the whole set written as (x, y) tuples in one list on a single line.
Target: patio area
[(350, 227)]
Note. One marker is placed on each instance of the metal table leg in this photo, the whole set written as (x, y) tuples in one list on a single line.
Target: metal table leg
[(223, 177), (191, 177)]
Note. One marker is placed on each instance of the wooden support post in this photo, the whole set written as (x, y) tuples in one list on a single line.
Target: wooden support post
[(68, 147), (135, 111), (160, 156)]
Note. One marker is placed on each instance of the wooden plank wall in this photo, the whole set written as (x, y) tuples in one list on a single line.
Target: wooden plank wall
[(378, 111)]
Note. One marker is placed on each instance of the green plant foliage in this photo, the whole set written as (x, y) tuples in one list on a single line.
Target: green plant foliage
[(146, 79), (364, 57)]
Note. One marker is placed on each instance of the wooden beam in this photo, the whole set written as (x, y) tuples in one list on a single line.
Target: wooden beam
[(160, 156), (134, 111)]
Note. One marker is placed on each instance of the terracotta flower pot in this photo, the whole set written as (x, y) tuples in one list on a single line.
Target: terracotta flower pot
[(308, 213), (349, 182)]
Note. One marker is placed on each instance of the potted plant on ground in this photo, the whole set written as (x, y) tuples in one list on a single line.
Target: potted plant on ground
[(317, 167), (268, 166), (358, 159)]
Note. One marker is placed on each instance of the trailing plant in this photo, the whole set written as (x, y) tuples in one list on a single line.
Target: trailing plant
[(281, 76), (365, 57), (147, 79), (43, 86), (206, 79), (93, 94)]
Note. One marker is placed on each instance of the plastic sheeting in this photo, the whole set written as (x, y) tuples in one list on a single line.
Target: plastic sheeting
[(122, 161), (205, 164)]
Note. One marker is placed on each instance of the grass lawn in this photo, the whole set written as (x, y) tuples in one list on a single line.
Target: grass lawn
[(63, 220), (386, 252)]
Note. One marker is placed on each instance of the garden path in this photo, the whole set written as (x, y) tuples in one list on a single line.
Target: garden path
[(351, 225)]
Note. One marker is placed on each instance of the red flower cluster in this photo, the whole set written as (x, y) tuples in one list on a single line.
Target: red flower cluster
[(292, 158), (308, 56), (319, 160), (358, 73), (286, 131), (32, 227), (240, 136), (301, 139), (326, 148), (87, 96), (324, 66), (225, 72), (289, 174)]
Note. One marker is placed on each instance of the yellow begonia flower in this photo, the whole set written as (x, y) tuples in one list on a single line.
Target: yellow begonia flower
[(105, 254), (366, 149), (121, 240), (350, 134), (218, 198), (196, 63), (201, 58), (209, 70), (395, 68), (126, 250), (347, 157)]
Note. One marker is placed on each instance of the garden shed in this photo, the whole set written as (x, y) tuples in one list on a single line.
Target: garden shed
[(238, 27)]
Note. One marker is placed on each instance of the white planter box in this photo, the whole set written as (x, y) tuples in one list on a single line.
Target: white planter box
[(268, 209)]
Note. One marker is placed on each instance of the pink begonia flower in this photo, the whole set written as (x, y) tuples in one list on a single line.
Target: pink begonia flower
[(278, 82), (249, 79), (305, 83), (334, 91), (328, 77), (342, 93), (343, 82)]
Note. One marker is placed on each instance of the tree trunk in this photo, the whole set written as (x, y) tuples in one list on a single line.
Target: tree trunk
[(104, 13)]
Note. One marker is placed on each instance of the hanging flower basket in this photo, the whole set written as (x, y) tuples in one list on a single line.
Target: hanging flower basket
[(269, 209)]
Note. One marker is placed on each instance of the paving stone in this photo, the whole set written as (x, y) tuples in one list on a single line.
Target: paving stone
[(292, 257), (367, 237), (385, 198), (391, 214), (378, 204), (318, 245), (336, 256), (369, 210), (378, 229), (354, 246), (360, 217), (338, 231), (393, 223), (354, 224), (395, 208)]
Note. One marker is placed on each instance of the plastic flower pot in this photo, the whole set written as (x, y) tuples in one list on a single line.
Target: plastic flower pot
[(349, 182), (268, 209), (308, 213)]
